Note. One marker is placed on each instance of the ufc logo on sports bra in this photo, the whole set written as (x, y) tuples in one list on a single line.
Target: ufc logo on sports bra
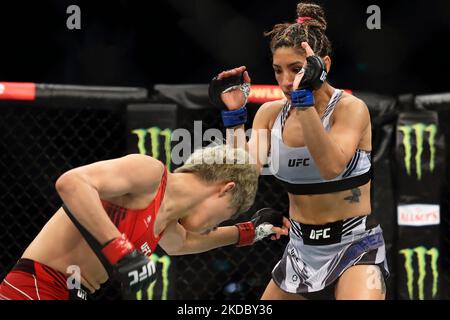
[(321, 233), (146, 272), (298, 162)]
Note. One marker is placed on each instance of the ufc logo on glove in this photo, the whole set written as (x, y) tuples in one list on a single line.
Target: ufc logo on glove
[(146, 272)]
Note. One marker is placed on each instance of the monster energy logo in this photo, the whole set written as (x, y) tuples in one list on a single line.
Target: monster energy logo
[(155, 134), (419, 131), (164, 261), (421, 253)]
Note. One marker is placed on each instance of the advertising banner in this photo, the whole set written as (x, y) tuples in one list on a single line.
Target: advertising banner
[(149, 131), (420, 164)]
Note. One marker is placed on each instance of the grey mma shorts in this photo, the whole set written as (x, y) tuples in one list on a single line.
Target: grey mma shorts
[(317, 255)]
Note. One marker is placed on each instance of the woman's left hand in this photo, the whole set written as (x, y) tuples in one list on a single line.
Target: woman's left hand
[(300, 74), (283, 231)]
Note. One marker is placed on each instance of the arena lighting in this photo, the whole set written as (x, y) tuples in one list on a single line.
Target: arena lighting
[(261, 93)]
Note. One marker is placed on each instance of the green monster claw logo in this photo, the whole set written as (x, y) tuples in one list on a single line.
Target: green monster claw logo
[(421, 254), (155, 134), (165, 262), (419, 131)]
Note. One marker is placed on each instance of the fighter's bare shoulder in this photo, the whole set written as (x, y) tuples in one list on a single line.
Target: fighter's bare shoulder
[(268, 112), (272, 107), (144, 166), (351, 106), (136, 173)]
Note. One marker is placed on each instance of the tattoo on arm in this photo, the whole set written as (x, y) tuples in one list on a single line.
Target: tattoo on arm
[(356, 193)]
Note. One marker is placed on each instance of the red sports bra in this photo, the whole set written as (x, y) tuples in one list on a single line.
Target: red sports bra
[(138, 224)]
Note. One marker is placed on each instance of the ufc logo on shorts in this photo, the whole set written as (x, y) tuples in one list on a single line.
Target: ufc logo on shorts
[(146, 272), (321, 233)]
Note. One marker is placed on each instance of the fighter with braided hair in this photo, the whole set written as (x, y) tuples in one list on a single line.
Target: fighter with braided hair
[(317, 143)]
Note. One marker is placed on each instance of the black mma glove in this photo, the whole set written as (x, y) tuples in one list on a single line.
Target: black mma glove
[(231, 118), (217, 87), (315, 75), (132, 268), (259, 227)]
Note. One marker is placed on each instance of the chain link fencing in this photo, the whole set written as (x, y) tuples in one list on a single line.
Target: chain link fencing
[(40, 142)]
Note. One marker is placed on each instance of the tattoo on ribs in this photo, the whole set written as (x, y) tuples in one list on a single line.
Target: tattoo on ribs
[(356, 193)]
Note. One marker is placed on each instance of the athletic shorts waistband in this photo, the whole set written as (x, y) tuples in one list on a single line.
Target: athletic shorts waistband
[(32, 280), (330, 233)]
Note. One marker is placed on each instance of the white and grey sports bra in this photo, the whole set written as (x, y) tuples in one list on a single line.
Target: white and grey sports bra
[(295, 167)]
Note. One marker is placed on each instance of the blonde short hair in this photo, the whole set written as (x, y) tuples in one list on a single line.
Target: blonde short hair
[(225, 163)]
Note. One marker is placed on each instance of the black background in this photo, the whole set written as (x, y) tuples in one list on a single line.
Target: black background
[(141, 43)]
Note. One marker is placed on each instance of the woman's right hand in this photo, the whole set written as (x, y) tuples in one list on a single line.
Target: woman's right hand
[(235, 98)]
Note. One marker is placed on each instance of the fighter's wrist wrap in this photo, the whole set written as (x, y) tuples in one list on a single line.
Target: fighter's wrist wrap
[(118, 248), (232, 118), (246, 233), (302, 98), (259, 227)]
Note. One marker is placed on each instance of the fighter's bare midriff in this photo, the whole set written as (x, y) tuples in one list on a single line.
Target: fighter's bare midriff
[(325, 208), (60, 245)]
